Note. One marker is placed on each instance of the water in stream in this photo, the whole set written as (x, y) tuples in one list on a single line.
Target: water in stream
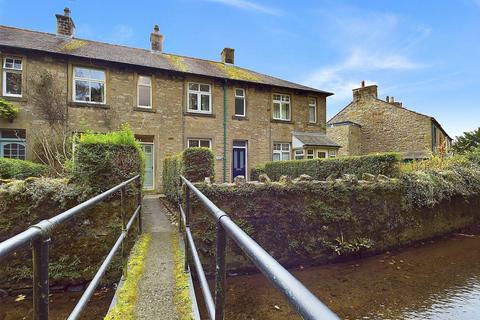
[(437, 279)]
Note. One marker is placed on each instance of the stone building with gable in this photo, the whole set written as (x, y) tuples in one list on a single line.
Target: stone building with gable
[(371, 125), (171, 102)]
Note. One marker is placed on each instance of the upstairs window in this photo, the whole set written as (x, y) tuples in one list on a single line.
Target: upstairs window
[(281, 151), (88, 85), (312, 110), (240, 103), (144, 92), (12, 77), (204, 143), (281, 107), (199, 98)]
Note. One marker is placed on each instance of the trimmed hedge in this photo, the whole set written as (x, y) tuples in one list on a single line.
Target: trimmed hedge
[(106, 159), (20, 169), (172, 169), (195, 164), (319, 169)]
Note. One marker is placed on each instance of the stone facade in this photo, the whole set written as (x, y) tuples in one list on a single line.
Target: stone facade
[(385, 126), (167, 124)]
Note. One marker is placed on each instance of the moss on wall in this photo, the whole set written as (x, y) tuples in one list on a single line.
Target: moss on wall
[(314, 222)]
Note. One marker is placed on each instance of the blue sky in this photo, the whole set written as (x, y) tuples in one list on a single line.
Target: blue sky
[(424, 53)]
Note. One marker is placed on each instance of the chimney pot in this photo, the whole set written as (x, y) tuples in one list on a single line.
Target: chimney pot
[(392, 99), (156, 39), (387, 99), (363, 83), (228, 55), (65, 25)]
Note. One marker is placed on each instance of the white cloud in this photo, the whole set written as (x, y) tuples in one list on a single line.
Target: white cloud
[(249, 5), (370, 44)]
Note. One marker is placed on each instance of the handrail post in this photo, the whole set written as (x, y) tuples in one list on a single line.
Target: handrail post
[(139, 204), (124, 227), (40, 278), (220, 272), (187, 223)]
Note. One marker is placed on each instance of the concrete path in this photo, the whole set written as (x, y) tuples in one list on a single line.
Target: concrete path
[(157, 286)]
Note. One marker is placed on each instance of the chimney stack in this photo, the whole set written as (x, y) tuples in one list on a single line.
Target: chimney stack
[(156, 39), (365, 92), (228, 55), (65, 25), (387, 99)]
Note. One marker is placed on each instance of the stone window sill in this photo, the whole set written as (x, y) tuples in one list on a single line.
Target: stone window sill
[(10, 98), (204, 115), (89, 105), (240, 118), (281, 121), (144, 110)]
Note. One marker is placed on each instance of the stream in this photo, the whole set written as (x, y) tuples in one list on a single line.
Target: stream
[(437, 279)]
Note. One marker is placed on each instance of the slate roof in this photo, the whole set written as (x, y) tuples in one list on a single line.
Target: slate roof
[(52, 43), (315, 139)]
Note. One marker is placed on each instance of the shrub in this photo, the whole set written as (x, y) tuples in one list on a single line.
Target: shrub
[(198, 164), (434, 163), (107, 159), (7, 110), (256, 172), (386, 164), (195, 164), (172, 169), (20, 169)]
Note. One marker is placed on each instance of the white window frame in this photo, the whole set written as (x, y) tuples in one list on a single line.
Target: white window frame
[(74, 78), (11, 70), (282, 151), (314, 106), (198, 140), (299, 154), (310, 154), (281, 102), (244, 103), (199, 98), (322, 151), (332, 153), (138, 91)]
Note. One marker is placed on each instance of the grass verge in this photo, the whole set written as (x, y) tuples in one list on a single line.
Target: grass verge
[(183, 301), (127, 296)]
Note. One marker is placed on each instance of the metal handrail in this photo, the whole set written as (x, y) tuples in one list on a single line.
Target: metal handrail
[(39, 237), (304, 302)]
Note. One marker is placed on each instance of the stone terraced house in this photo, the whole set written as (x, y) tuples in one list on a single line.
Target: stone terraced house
[(370, 125), (171, 102)]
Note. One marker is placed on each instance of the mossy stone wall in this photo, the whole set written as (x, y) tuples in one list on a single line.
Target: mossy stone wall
[(316, 222)]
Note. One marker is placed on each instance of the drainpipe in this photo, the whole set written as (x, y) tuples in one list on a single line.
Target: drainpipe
[(225, 130)]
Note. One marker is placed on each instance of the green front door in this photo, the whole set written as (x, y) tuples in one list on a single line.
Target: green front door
[(149, 172)]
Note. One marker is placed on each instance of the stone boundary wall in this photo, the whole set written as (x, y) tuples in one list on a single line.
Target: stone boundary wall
[(307, 222)]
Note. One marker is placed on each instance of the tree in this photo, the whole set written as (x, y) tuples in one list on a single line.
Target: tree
[(467, 142)]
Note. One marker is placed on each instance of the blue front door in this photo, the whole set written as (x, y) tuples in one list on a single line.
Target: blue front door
[(239, 161)]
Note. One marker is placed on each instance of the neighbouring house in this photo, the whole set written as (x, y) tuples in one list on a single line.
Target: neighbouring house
[(171, 102), (370, 125)]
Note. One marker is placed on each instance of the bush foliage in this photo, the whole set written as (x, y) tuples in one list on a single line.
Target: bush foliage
[(386, 164), (195, 164), (20, 169), (7, 110), (106, 159), (467, 142)]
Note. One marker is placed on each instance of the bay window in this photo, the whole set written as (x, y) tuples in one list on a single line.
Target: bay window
[(281, 107), (199, 98), (12, 77), (88, 85)]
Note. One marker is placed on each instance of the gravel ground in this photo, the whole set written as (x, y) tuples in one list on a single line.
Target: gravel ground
[(157, 286)]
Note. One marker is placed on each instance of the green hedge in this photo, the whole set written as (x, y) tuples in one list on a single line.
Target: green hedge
[(195, 164), (172, 169), (20, 169), (104, 160), (386, 164), (256, 172)]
